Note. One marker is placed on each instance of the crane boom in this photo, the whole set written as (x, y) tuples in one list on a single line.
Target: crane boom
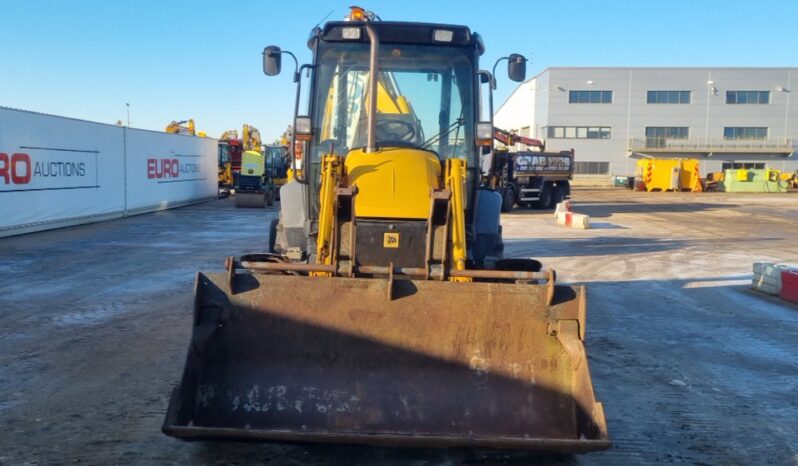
[(509, 139)]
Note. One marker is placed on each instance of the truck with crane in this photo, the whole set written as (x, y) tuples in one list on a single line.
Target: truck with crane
[(531, 178)]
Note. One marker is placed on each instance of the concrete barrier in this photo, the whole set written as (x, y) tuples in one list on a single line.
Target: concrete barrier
[(564, 206), (789, 288), (567, 218), (768, 277), (572, 220)]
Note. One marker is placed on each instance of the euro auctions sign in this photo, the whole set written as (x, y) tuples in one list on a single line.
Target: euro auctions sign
[(47, 169), (174, 169)]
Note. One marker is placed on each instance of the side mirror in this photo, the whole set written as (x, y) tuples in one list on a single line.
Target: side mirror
[(272, 60), (516, 67)]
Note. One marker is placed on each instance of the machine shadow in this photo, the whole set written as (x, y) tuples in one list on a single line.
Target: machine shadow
[(608, 209), (605, 209), (607, 245)]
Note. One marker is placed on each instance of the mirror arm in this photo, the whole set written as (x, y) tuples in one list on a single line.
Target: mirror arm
[(493, 74), (296, 63)]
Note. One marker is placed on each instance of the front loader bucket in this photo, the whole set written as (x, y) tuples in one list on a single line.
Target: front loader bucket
[(399, 363), (245, 199)]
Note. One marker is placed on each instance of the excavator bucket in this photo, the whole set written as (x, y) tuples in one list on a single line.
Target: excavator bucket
[(388, 362), (243, 199)]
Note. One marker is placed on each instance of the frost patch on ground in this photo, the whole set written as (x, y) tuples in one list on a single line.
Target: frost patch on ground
[(6, 404), (8, 266), (168, 280), (90, 316), (38, 289)]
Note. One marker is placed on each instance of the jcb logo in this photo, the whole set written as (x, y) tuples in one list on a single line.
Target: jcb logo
[(390, 240), (15, 169)]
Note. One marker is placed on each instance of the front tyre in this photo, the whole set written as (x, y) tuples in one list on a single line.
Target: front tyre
[(272, 234), (508, 199), (546, 200)]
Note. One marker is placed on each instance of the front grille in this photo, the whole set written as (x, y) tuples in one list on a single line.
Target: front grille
[(404, 245)]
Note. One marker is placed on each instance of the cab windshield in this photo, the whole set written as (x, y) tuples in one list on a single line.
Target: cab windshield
[(224, 154), (424, 99)]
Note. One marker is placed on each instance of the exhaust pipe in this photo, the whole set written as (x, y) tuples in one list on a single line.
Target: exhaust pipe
[(374, 66)]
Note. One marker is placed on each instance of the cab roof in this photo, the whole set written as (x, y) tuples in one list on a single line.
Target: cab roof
[(399, 32)]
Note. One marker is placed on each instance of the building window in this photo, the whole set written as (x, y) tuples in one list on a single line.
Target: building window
[(668, 132), (743, 165), (744, 133), (747, 97), (591, 168), (579, 132), (590, 97), (668, 97), (657, 136)]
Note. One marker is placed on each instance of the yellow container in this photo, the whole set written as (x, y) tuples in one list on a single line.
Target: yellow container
[(669, 174), (690, 176)]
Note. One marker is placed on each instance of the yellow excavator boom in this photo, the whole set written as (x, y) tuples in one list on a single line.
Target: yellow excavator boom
[(184, 127), (251, 138)]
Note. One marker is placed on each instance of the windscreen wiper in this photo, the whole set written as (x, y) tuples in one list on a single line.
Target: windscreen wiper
[(456, 125)]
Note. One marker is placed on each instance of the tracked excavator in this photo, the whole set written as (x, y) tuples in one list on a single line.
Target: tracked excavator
[(386, 313), (184, 127), (230, 150)]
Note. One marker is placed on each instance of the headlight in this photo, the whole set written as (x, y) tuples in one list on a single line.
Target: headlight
[(303, 129), (443, 35), (484, 130), (350, 33)]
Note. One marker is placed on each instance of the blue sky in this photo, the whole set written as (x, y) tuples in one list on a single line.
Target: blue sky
[(202, 59)]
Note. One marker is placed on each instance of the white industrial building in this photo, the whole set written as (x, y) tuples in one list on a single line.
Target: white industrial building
[(725, 117)]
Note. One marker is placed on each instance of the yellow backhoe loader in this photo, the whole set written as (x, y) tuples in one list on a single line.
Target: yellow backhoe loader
[(386, 313), (255, 187), (251, 185)]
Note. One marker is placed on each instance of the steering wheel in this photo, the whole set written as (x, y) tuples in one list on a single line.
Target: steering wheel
[(394, 129)]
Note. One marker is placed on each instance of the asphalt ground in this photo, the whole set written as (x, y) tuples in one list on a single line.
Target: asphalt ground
[(692, 366)]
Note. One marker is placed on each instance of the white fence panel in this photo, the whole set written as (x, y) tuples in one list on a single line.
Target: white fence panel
[(164, 170), (55, 171)]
